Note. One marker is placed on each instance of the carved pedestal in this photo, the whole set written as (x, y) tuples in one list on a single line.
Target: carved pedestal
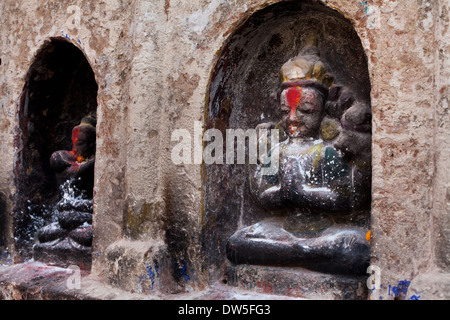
[(67, 241), (297, 282), (63, 253)]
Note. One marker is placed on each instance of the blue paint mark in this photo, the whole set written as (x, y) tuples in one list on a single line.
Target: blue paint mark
[(372, 290), (6, 257), (149, 275), (65, 35), (182, 272), (400, 290), (365, 5)]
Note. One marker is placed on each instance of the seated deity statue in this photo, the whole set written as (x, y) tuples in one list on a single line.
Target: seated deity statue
[(78, 164), (319, 195), (72, 222)]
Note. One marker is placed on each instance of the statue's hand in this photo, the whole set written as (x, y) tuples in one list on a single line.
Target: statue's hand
[(265, 189), (296, 188), (61, 160), (86, 165), (291, 179)]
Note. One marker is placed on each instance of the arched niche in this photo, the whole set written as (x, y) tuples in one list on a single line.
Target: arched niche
[(60, 89), (241, 95)]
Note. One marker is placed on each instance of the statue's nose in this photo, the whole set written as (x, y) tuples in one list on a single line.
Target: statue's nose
[(293, 115)]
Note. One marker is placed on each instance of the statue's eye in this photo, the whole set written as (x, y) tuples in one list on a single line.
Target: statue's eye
[(307, 108), (285, 108)]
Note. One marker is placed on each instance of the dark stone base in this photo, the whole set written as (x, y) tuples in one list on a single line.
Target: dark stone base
[(297, 282), (63, 253), (336, 249)]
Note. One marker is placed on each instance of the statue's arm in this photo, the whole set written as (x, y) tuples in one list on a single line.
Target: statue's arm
[(61, 160), (263, 176), (85, 166), (324, 199), (264, 189), (332, 196)]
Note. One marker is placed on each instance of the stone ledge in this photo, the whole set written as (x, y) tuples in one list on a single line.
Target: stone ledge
[(38, 281), (139, 266), (431, 286), (297, 282)]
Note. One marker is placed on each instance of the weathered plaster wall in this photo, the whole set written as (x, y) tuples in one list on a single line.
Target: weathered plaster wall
[(175, 49), (407, 48), (9, 89), (435, 283), (441, 205), (409, 166), (101, 31), (153, 60)]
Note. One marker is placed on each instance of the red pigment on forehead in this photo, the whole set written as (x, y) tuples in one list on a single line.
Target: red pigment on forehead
[(293, 96), (75, 133)]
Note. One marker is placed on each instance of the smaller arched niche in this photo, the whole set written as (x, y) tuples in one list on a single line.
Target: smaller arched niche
[(314, 50), (59, 92)]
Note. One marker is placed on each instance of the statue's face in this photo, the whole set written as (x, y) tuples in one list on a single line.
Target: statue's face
[(303, 111), (83, 139)]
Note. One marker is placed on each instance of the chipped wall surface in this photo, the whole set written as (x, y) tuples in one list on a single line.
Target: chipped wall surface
[(102, 33), (153, 61), (441, 186)]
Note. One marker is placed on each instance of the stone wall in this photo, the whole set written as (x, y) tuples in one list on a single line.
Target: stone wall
[(153, 61)]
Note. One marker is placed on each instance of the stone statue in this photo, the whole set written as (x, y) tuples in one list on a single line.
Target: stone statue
[(320, 194), (68, 239), (78, 164)]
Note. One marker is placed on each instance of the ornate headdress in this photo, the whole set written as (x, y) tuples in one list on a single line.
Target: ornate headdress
[(89, 120), (307, 70)]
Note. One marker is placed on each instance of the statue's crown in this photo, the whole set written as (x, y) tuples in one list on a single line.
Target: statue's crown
[(89, 120), (307, 66)]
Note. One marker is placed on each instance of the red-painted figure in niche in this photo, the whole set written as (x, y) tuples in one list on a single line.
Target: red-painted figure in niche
[(68, 239), (320, 193), (79, 162)]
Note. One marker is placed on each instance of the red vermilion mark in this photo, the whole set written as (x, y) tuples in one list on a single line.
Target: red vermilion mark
[(75, 133), (293, 96)]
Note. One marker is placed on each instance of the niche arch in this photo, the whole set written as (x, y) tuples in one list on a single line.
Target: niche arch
[(59, 90), (241, 95)]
